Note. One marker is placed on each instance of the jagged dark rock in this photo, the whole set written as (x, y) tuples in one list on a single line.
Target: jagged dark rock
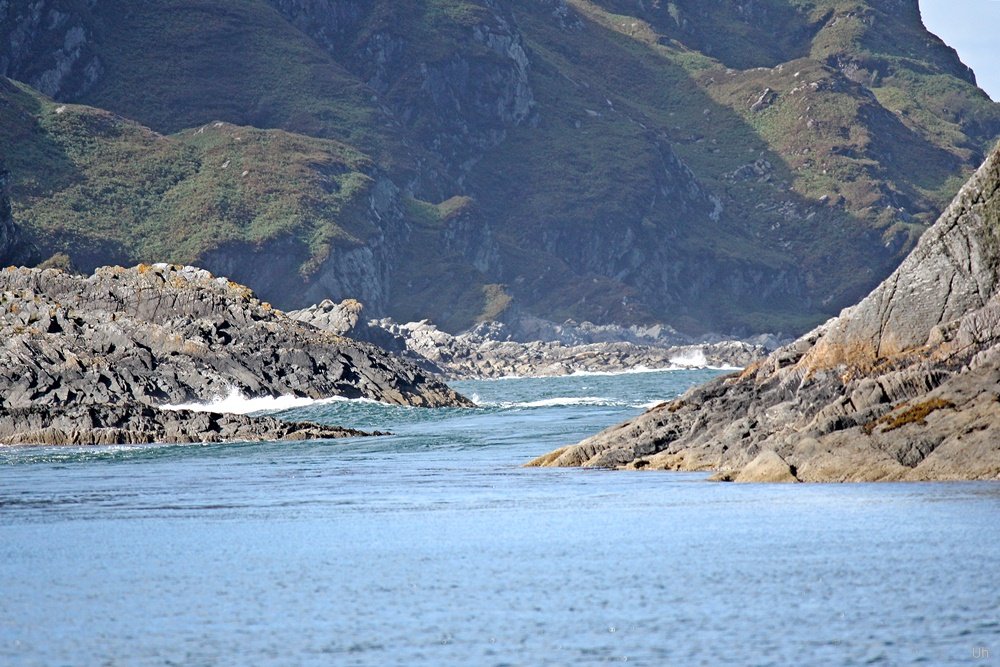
[(171, 334), (155, 335), (903, 386)]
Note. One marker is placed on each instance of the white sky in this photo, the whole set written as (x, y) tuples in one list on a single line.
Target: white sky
[(971, 27)]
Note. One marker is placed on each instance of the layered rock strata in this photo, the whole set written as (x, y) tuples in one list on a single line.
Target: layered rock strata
[(76, 349), (903, 386)]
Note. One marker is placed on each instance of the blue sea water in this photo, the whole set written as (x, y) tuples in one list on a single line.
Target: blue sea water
[(434, 547)]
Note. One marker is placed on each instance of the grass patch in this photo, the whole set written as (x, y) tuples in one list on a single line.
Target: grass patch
[(914, 414), (496, 301)]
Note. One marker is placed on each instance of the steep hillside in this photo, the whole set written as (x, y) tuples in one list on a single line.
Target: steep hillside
[(902, 386), (607, 160), (105, 189), (8, 231)]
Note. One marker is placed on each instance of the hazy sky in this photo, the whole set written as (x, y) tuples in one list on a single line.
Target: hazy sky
[(972, 27)]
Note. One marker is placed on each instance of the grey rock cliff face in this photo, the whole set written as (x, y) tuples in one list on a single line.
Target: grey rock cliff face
[(463, 104), (903, 386), (59, 30), (350, 270)]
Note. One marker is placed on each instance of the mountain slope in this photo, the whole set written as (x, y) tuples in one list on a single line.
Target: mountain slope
[(105, 189), (612, 160), (903, 385)]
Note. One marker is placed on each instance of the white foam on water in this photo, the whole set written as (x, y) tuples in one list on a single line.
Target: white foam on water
[(636, 370), (690, 359), (236, 402), (558, 401), (684, 362), (568, 400)]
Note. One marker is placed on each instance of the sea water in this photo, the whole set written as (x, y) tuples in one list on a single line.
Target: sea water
[(434, 546)]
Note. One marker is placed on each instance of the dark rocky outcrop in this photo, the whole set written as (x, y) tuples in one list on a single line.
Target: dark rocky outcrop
[(903, 386), (171, 334), (132, 423), (150, 336)]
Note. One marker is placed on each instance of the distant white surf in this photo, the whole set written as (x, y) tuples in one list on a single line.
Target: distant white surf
[(550, 402), (690, 359), (236, 402), (683, 362), (562, 401)]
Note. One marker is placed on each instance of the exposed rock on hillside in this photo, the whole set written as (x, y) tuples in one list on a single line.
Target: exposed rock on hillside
[(49, 45), (155, 335), (494, 349), (903, 386)]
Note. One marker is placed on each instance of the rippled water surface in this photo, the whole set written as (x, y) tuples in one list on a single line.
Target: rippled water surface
[(433, 547)]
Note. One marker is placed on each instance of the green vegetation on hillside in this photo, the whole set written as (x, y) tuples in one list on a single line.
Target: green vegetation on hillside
[(102, 188), (716, 164)]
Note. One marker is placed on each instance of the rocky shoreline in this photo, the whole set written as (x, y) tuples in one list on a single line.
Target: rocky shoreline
[(93, 359), (903, 386), (495, 349), (131, 423)]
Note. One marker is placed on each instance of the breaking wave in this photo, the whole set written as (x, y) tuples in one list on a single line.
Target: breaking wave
[(690, 359), (687, 361), (635, 370), (236, 402)]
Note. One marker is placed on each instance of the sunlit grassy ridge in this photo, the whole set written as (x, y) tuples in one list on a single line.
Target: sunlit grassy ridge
[(103, 188)]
